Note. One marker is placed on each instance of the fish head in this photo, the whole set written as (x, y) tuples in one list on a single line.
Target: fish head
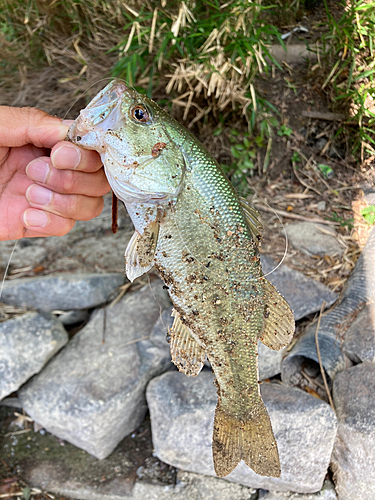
[(142, 161)]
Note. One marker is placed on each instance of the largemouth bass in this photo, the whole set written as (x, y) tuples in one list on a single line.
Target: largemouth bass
[(203, 240)]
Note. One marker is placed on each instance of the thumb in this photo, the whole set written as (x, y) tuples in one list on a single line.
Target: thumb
[(20, 126)]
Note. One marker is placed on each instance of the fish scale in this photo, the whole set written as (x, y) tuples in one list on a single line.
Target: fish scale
[(203, 240)]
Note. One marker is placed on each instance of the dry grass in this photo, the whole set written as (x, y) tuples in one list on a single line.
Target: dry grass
[(52, 52), (194, 51)]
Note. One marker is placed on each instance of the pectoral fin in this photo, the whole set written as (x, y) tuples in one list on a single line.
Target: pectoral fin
[(186, 354), (140, 251), (252, 218), (278, 326)]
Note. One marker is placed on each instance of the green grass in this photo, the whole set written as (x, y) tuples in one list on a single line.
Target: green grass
[(350, 68), (208, 52)]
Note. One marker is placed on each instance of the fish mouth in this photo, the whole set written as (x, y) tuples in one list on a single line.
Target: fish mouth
[(103, 113)]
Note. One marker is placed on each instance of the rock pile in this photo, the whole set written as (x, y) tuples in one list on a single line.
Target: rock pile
[(91, 391)]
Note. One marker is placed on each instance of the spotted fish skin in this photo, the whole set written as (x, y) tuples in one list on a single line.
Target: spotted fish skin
[(203, 240)]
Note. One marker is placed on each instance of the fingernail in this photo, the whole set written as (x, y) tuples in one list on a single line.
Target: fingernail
[(35, 218), (37, 170), (66, 157), (38, 195), (67, 122)]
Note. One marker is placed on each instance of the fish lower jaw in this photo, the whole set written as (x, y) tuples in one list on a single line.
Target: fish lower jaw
[(128, 193)]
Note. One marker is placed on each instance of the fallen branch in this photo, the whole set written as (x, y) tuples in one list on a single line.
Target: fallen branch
[(295, 216), (320, 115)]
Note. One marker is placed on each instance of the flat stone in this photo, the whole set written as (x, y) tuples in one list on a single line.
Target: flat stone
[(27, 343), (190, 486), (326, 493), (353, 457), (359, 343), (63, 292), (269, 361), (104, 252), (27, 252), (182, 413), (92, 393), (314, 239), (131, 471), (304, 295)]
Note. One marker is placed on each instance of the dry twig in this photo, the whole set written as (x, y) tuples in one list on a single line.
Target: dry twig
[(295, 216)]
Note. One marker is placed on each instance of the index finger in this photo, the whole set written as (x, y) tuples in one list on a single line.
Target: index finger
[(68, 156), (20, 126)]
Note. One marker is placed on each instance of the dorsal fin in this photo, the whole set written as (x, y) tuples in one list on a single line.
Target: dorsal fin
[(186, 354), (140, 252), (252, 218), (278, 326)]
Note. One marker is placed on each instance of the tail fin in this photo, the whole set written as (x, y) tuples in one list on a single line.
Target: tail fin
[(251, 440)]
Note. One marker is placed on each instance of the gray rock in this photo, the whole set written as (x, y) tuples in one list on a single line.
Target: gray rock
[(92, 393), (63, 292), (195, 486), (27, 343), (269, 361), (160, 330), (106, 252), (189, 486), (320, 143), (353, 457), (73, 317), (12, 402), (326, 493), (182, 413), (314, 239), (359, 343), (369, 194), (27, 252), (304, 295)]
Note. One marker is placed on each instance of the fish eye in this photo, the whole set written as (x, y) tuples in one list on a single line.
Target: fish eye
[(140, 114)]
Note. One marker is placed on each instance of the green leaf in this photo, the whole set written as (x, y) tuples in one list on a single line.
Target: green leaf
[(248, 164), (236, 154), (274, 122), (326, 170), (369, 214), (26, 493), (296, 158), (284, 130)]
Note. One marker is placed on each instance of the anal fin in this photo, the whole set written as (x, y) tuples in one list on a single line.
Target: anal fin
[(278, 327), (140, 252), (187, 355)]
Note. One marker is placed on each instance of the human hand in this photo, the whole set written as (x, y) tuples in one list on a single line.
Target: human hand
[(43, 195)]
